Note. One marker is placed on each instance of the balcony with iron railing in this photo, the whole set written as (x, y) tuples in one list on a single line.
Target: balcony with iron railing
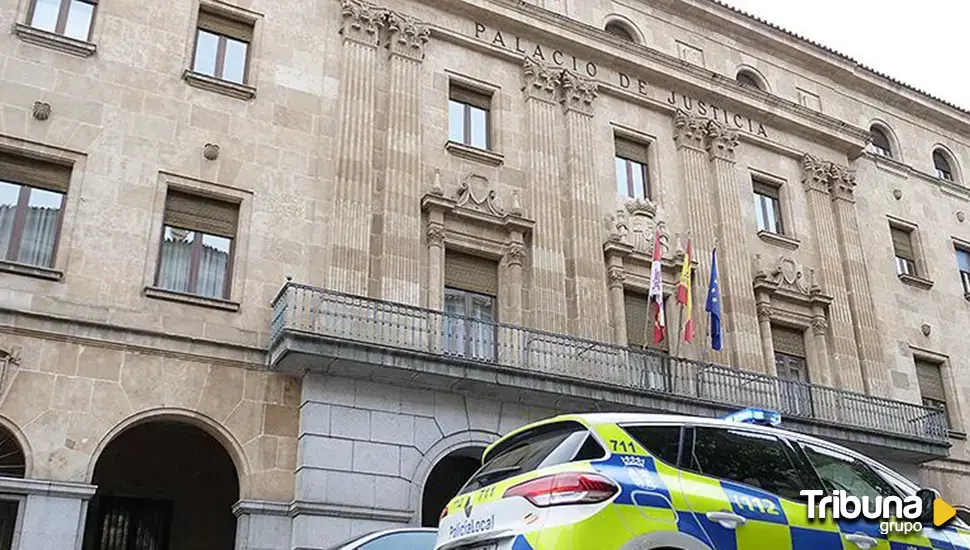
[(316, 329)]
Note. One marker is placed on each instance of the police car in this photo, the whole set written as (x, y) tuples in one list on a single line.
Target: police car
[(661, 482)]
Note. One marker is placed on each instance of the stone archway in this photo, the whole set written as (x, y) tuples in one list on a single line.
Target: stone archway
[(163, 484), (13, 464), (447, 476)]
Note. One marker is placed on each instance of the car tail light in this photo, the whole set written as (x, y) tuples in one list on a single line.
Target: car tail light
[(565, 488)]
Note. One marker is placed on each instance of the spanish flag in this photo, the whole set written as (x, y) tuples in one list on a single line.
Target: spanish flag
[(685, 295)]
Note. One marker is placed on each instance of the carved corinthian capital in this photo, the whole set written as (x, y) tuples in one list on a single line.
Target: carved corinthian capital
[(842, 182), (765, 311), (362, 21), (578, 93), (541, 80), (815, 174), (721, 142), (689, 130), (514, 254), (436, 234), (407, 36), (820, 325), (617, 276)]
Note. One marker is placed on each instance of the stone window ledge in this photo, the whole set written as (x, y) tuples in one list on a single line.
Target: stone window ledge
[(31, 270), (918, 282), (54, 41), (957, 434), (474, 153), (192, 299), (219, 86), (784, 241)]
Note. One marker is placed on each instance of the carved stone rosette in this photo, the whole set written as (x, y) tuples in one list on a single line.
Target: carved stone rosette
[(578, 93), (722, 143), (541, 81), (407, 36), (362, 21), (689, 131)]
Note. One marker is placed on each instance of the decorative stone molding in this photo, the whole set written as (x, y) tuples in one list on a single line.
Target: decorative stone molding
[(42, 110), (407, 36), (689, 131), (815, 174), (484, 199), (617, 276), (476, 202), (842, 182), (897, 194), (765, 311), (618, 227), (782, 241), (362, 21), (475, 154), (514, 254), (926, 329), (722, 143), (820, 325), (436, 187), (961, 216), (218, 85), (54, 41), (578, 93), (210, 151), (436, 234), (787, 280), (541, 81), (641, 207)]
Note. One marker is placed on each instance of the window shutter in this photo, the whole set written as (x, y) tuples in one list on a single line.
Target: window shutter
[(766, 189), (903, 243), (789, 341), (34, 173), (471, 273), (930, 380), (198, 213), (470, 97), (226, 26), (631, 150), (637, 310)]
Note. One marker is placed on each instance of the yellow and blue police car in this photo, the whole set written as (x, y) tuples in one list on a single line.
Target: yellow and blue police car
[(660, 482)]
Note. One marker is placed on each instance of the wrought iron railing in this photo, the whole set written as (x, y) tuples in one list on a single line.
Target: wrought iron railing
[(308, 310)]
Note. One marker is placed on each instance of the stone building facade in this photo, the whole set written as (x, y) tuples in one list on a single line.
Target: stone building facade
[(302, 261)]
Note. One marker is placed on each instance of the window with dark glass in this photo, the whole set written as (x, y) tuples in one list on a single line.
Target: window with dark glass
[(942, 165), (768, 207), (631, 169), (880, 142), (222, 47), (963, 264), (471, 288), (745, 78), (31, 206), (70, 18), (197, 245), (617, 29), (469, 117), (755, 459), (841, 472), (904, 251), (929, 375), (662, 442)]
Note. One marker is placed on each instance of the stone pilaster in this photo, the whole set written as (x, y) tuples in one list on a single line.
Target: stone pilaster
[(586, 282), (402, 190), (436, 260), (511, 297), (844, 353), (350, 204), (741, 326), (616, 252), (868, 338), (548, 260), (690, 136), (820, 329), (765, 312)]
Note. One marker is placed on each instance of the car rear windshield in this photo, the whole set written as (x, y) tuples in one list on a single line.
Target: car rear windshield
[(540, 447)]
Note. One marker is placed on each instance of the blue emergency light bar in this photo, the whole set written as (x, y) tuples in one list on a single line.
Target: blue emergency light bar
[(762, 417)]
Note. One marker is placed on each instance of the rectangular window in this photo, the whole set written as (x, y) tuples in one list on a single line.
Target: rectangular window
[(70, 18), (929, 375), (792, 365), (904, 251), (469, 119), (222, 47), (768, 207), (197, 245), (471, 288), (963, 264), (639, 321), (631, 169), (31, 206)]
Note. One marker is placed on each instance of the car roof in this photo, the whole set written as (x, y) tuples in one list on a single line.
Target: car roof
[(361, 539)]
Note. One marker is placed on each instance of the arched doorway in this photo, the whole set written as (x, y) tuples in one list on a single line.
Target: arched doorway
[(445, 480), (13, 463), (163, 485)]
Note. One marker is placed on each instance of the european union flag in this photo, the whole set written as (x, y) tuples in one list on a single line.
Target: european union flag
[(713, 307)]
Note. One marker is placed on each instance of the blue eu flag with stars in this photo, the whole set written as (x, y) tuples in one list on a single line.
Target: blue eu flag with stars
[(713, 307)]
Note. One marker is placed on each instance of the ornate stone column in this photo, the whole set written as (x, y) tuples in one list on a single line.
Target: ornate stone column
[(741, 327), (844, 354), (868, 338), (820, 328), (764, 326), (586, 282), (548, 260), (350, 204), (401, 244), (616, 251), (690, 136), (436, 260), (511, 313)]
